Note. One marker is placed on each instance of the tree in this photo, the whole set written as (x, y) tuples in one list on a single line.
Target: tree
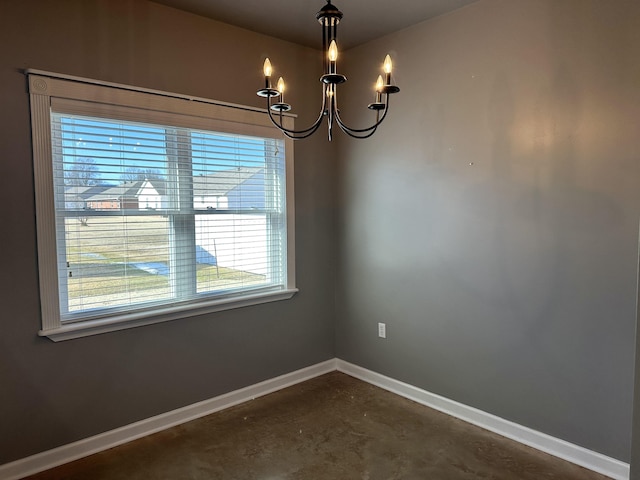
[(82, 171), (133, 174)]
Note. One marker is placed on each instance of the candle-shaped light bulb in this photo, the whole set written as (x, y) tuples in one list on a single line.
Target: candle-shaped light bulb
[(268, 70), (267, 73), (333, 51), (281, 89), (388, 67), (379, 85), (333, 56)]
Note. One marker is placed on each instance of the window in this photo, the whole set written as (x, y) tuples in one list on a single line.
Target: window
[(152, 207)]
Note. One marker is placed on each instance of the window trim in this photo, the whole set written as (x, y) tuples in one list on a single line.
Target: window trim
[(46, 88)]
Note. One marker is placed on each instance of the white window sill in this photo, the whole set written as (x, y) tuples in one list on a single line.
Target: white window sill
[(165, 314)]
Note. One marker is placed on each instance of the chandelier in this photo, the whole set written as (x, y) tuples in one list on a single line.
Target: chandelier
[(329, 17)]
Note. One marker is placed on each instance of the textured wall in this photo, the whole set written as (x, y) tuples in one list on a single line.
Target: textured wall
[(492, 222), (53, 394)]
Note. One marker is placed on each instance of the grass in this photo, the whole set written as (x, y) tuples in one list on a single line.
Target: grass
[(101, 255)]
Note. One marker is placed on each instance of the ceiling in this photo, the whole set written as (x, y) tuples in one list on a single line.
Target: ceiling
[(294, 20)]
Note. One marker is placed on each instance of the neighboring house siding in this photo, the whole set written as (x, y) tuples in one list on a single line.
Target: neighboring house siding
[(113, 204), (129, 203), (151, 195), (211, 201), (238, 241), (249, 194)]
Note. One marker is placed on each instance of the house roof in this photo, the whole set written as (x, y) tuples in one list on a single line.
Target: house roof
[(159, 185), (219, 184), (124, 190), (84, 191)]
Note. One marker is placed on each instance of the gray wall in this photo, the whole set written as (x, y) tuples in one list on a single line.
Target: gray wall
[(635, 443), (492, 222), (52, 394)]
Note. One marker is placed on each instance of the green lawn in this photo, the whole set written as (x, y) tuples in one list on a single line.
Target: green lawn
[(101, 260)]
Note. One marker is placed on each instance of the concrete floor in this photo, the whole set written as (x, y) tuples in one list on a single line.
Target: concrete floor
[(332, 427)]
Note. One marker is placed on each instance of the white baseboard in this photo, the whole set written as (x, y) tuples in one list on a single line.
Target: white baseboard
[(559, 448), (73, 451), (67, 453)]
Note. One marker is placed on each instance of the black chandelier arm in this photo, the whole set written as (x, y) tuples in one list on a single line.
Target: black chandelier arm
[(345, 128), (284, 130), (352, 131), (360, 137), (300, 137), (294, 133)]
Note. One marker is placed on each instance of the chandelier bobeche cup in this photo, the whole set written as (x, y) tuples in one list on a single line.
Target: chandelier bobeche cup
[(329, 17)]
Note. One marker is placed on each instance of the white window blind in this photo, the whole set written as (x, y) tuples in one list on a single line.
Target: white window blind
[(156, 210)]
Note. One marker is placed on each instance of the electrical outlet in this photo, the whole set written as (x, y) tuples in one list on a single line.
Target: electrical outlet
[(382, 330)]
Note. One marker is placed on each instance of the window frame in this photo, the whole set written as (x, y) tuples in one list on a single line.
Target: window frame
[(90, 96)]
